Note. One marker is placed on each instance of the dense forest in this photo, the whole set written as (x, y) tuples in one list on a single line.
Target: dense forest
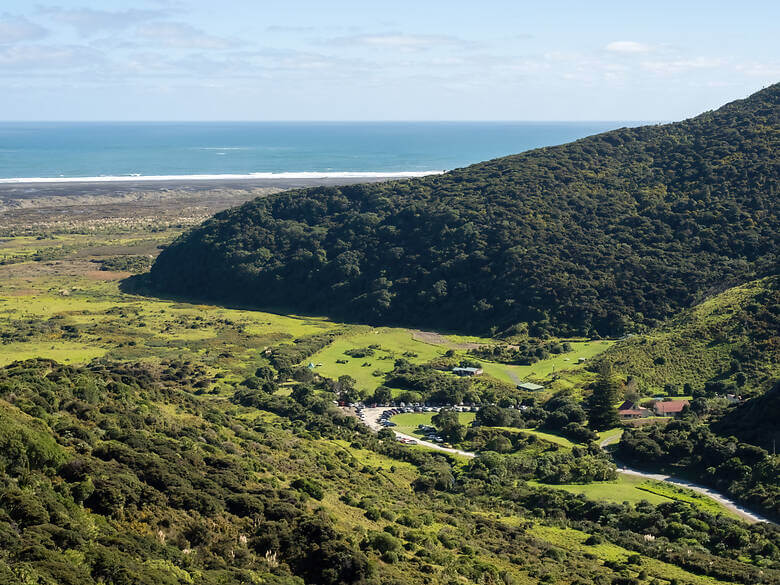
[(608, 234), (756, 421)]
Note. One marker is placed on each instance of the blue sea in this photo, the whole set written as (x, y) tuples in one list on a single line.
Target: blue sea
[(116, 151)]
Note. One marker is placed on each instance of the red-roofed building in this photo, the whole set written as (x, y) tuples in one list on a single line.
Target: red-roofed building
[(670, 408), (629, 410), (628, 413)]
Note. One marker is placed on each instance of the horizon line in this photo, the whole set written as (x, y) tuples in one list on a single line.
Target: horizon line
[(409, 121)]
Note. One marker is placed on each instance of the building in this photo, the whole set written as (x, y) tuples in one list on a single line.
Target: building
[(629, 410), (529, 386), (670, 407), (467, 371), (631, 413)]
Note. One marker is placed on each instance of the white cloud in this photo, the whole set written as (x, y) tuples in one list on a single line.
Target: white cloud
[(628, 47), (768, 70), (398, 41), (14, 29), (182, 36), (88, 22), (29, 57), (682, 65)]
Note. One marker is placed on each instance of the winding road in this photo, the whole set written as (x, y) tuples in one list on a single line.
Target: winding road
[(728, 503), (372, 416)]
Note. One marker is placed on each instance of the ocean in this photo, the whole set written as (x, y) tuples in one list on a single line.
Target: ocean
[(46, 151)]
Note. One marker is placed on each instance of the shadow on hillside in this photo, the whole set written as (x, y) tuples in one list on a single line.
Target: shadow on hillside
[(141, 285)]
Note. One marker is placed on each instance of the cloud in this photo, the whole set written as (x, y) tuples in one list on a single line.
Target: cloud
[(88, 22), (628, 47), (398, 41), (278, 28), (32, 57), (14, 29), (768, 70), (182, 36), (682, 65)]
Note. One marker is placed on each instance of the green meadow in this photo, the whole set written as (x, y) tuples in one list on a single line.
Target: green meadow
[(408, 422)]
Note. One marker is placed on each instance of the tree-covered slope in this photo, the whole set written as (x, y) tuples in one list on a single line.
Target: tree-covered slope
[(123, 474), (756, 421), (729, 343), (608, 234)]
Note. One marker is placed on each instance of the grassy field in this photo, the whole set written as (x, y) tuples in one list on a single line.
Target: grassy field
[(557, 439), (393, 344), (610, 437), (563, 364), (626, 488), (408, 422), (681, 494), (629, 488)]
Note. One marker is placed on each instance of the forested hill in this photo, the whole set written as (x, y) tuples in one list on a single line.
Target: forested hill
[(607, 234)]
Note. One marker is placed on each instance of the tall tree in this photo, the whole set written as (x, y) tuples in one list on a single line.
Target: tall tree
[(448, 425), (602, 412)]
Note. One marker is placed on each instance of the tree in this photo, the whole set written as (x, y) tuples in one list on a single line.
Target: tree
[(346, 388), (446, 422), (383, 395), (492, 416), (602, 413), (264, 373)]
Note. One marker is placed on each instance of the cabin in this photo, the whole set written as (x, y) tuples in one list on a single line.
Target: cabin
[(670, 408), (629, 410), (632, 413), (467, 371), (530, 386)]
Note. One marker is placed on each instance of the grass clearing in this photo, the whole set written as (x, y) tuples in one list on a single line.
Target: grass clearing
[(408, 422), (681, 494), (557, 439), (626, 488), (566, 363), (393, 343), (66, 352)]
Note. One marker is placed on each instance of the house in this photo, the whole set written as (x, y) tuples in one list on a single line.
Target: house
[(629, 410), (467, 371), (670, 407), (529, 386), (630, 413)]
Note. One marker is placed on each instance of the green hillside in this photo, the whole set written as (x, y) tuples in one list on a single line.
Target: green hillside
[(122, 474), (608, 234), (729, 343)]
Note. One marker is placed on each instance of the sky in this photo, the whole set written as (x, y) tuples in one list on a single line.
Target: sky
[(366, 60)]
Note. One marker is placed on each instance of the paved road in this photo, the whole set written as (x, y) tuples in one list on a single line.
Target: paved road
[(741, 511), (728, 503), (372, 420)]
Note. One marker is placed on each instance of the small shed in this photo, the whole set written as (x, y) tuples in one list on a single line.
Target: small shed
[(467, 371), (530, 386)]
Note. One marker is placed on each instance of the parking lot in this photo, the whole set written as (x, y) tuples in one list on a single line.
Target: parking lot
[(378, 418)]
